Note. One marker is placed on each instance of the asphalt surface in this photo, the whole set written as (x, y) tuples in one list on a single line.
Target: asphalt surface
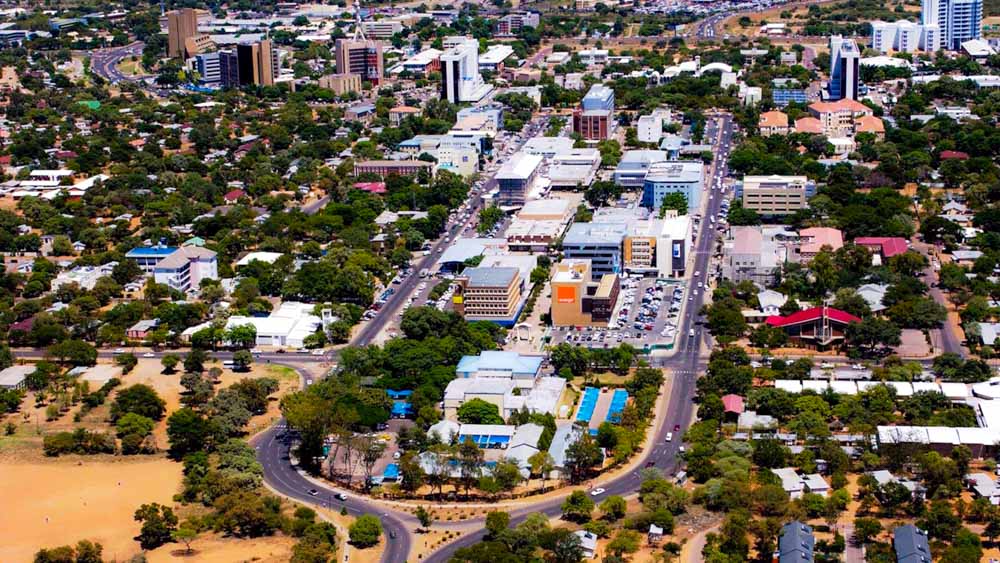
[(105, 62)]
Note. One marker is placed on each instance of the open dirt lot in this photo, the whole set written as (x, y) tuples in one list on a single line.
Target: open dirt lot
[(216, 549), (61, 502)]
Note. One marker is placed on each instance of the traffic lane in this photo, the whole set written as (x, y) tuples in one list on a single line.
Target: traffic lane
[(281, 476)]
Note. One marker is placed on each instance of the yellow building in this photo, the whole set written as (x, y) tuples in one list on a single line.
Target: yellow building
[(489, 294)]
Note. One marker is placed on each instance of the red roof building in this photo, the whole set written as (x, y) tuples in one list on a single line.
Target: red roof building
[(733, 403), (886, 247), (954, 155), (371, 187), (818, 327), (234, 196)]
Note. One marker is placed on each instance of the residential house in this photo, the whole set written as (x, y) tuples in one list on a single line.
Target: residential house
[(796, 543), (911, 545)]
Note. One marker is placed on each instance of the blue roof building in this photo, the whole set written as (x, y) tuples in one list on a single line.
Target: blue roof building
[(796, 543), (147, 257), (783, 96), (910, 544), (493, 363), (599, 97)]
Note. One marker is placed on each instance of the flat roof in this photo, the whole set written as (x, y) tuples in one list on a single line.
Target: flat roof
[(675, 171), (490, 277), (596, 233), (520, 167), (496, 54)]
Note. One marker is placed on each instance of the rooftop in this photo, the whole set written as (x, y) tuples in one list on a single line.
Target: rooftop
[(520, 167), (490, 277)]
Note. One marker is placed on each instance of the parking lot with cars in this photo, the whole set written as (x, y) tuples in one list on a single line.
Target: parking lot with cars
[(647, 313)]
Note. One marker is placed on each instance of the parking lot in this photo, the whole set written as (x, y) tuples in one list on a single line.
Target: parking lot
[(647, 313)]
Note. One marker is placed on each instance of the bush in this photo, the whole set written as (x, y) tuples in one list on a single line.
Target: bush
[(365, 531), (79, 441)]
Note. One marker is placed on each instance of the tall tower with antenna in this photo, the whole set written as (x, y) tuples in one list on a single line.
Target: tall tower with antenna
[(360, 55)]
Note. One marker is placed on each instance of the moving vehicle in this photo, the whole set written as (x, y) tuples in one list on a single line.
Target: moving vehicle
[(670, 437), (597, 492), (313, 492), (340, 496), (149, 355)]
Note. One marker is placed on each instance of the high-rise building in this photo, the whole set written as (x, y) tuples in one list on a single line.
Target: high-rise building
[(258, 63), (844, 61), (360, 56), (460, 78), (905, 36), (209, 67), (181, 24), (965, 22), (229, 69), (599, 97), (957, 20)]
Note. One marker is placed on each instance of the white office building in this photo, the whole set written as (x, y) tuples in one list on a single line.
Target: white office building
[(649, 129), (460, 78), (905, 36)]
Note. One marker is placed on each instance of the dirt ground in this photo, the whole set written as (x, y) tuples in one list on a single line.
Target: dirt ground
[(74, 498), (217, 549)]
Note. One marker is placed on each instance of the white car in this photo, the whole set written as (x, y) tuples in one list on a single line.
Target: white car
[(119, 350), (670, 437), (597, 492), (826, 365), (149, 355)]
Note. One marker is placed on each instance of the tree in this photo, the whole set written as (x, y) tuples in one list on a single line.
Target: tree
[(614, 507), (169, 362), (865, 529), (625, 541), (194, 361), (676, 201), (158, 524), (496, 523), (871, 334), (139, 399), (581, 456), (541, 464), (365, 531), (478, 411), (507, 475), (242, 359), (187, 431), (185, 534), (577, 507), (74, 352), (424, 516)]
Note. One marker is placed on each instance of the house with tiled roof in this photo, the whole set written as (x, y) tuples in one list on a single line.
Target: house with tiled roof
[(773, 123), (815, 238), (809, 125), (884, 247), (818, 327), (870, 124)]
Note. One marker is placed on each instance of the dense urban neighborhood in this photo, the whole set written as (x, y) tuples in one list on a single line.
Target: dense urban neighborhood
[(491, 282)]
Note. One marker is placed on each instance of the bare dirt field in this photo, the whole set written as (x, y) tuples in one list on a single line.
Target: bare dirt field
[(66, 500), (217, 549)]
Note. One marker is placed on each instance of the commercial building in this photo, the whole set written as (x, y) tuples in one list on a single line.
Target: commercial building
[(391, 167), (814, 239), (181, 25), (208, 67), (422, 63), (461, 160), (753, 254), (256, 64), (492, 60), (598, 242), (575, 168), (958, 20), (632, 167), (593, 125), (598, 97), (460, 78), (578, 301), (382, 29), (287, 326), (658, 246), (510, 365), (489, 294), (83, 276), (360, 56), (515, 177), (512, 23), (184, 268), (776, 195), (341, 84), (548, 147), (675, 176), (844, 71)]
